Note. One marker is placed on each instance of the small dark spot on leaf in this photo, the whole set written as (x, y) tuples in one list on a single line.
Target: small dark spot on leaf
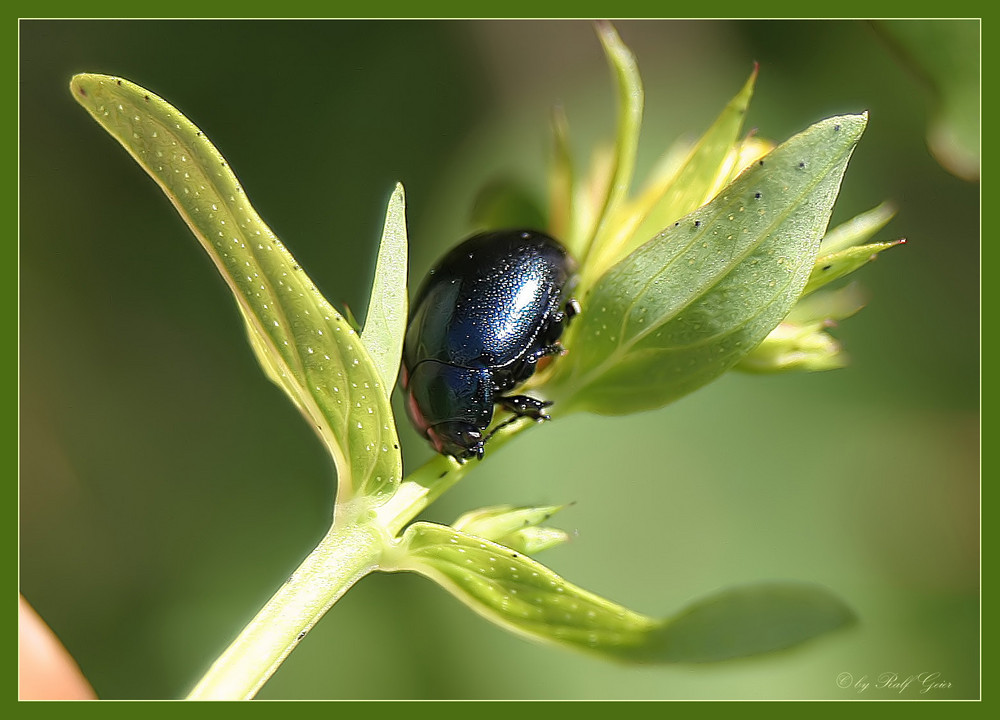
[(757, 195), (442, 474), (146, 98), (836, 127), (83, 92), (676, 224), (395, 446), (827, 267), (802, 164), (198, 133), (119, 83), (697, 223), (301, 635), (296, 267), (514, 555), (761, 163)]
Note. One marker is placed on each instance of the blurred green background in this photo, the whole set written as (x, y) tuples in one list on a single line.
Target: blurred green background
[(167, 488)]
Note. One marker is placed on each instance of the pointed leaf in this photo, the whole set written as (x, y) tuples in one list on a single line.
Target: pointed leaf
[(829, 305), (630, 104), (516, 527), (385, 321), (702, 175), (836, 265), (518, 593), (303, 344), (801, 341), (794, 347), (528, 599), (689, 304), (857, 230), (562, 186)]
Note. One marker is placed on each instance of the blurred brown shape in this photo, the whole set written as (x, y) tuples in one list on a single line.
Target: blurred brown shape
[(46, 671)]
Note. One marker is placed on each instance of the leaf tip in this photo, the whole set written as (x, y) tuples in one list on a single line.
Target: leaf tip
[(78, 85)]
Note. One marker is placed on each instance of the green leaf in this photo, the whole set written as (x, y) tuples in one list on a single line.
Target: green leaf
[(747, 621), (630, 104), (800, 342), (828, 306), (527, 598), (858, 229), (385, 321), (517, 592), (689, 304), (794, 347), (695, 183), (519, 528), (303, 344), (836, 265), (562, 186)]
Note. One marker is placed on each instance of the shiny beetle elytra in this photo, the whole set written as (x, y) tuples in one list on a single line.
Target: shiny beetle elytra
[(480, 322)]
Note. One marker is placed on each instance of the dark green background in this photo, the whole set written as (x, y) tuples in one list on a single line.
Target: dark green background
[(166, 488)]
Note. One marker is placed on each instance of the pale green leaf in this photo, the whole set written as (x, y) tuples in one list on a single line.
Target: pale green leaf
[(562, 186), (516, 592), (688, 305), (519, 528), (302, 342), (801, 341), (525, 597), (857, 230), (710, 162), (836, 265), (792, 347), (630, 105), (385, 320)]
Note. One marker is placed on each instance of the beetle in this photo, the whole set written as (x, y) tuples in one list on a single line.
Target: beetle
[(483, 317)]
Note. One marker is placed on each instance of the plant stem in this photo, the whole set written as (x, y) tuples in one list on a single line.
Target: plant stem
[(347, 553), (351, 550)]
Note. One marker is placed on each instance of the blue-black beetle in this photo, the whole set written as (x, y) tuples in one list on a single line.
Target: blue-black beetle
[(480, 322)]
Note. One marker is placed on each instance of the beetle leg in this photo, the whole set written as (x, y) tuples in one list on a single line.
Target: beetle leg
[(572, 309), (524, 406), (554, 348)]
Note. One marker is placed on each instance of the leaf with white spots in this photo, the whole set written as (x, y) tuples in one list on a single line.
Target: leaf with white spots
[(385, 321), (302, 342), (516, 592), (519, 528), (527, 598), (690, 303)]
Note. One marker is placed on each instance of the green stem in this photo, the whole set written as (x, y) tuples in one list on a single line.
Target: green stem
[(343, 557), (352, 549)]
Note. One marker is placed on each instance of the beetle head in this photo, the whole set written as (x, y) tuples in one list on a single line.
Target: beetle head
[(450, 405), (460, 439)]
